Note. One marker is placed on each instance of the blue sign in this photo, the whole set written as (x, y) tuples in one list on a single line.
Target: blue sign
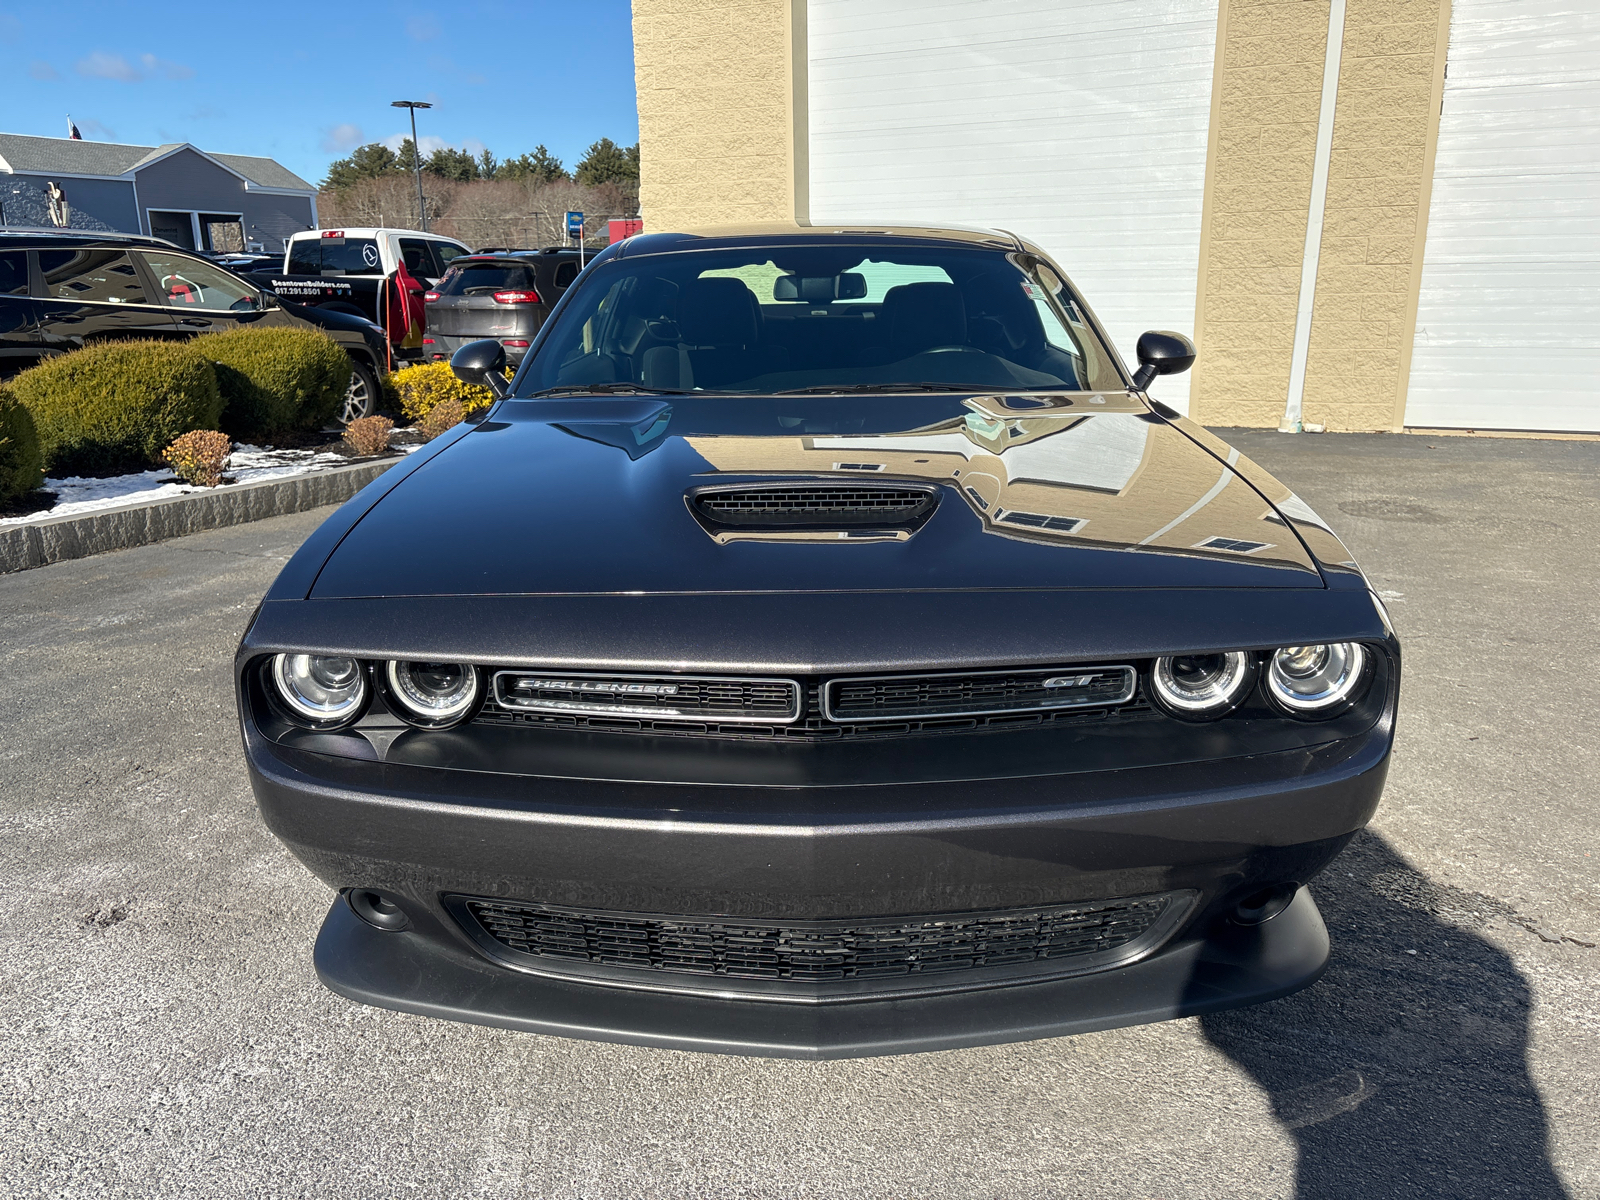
[(575, 224)]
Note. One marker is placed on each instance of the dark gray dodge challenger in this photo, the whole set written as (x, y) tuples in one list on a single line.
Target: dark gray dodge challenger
[(824, 648)]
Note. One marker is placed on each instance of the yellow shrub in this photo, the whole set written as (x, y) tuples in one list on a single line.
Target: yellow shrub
[(446, 414), (368, 435), (422, 387), (198, 458)]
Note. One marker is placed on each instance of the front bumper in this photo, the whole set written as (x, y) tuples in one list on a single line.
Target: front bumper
[(1236, 965), (1215, 831)]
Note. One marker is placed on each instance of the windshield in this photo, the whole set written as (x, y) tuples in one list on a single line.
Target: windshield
[(822, 318), (467, 279)]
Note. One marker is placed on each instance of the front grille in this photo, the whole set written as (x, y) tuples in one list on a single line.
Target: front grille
[(813, 726), (813, 952), (665, 697), (977, 693)]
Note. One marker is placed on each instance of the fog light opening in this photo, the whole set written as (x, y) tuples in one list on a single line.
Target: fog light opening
[(377, 910), (1259, 907)]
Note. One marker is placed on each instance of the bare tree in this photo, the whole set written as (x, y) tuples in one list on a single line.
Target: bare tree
[(483, 212), (389, 201)]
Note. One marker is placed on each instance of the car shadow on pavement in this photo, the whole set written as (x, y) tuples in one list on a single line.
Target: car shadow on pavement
[(1403, 1071)]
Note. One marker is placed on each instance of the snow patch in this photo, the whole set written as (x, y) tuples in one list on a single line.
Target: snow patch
[(247, 464)]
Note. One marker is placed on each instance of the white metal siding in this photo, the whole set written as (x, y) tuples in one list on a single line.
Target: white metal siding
[(1079, 124), (1508, 329)]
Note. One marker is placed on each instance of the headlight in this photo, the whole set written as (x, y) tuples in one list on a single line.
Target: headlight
[(320, 689), (434, 693), (1316, 680), (1201, 686)]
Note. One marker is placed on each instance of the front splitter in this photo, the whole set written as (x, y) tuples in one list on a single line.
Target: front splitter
[(1235, 966)]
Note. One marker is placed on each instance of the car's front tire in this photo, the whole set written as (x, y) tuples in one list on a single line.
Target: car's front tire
[(363, 395)]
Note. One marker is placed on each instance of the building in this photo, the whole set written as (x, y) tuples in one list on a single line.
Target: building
[(190, 197), (1371, 214)]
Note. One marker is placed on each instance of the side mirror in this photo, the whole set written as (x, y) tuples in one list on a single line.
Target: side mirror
[(1162, 353), (483, 364)]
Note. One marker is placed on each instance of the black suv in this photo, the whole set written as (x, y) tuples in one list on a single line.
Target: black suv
[(504, 295), (60, 291)]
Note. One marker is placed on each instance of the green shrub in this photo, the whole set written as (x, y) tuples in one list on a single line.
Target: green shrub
[(421, 387), (114, 407), (21, 465), (276, 379)]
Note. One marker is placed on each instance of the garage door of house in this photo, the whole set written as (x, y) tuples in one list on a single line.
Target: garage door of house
[(1508, 325), (1078, 124)]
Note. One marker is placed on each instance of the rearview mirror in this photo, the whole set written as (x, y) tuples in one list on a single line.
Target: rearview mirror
[(820, 289), (1162, 352), (482, 364)]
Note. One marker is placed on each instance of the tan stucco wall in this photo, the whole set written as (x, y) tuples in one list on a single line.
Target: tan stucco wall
[(1268, 92), (1384, 128), (716, 111)]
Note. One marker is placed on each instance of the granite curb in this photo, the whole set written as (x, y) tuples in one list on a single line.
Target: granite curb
[(58, 539)]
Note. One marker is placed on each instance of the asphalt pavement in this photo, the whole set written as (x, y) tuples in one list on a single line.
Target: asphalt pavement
[(163, 1033)]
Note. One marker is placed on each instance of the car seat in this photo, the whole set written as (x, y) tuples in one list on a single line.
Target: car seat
[(920, 316)]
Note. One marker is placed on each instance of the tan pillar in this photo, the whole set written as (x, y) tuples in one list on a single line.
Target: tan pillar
[(1380, 174), (1265, 112), (1266, 98), (719, 110)]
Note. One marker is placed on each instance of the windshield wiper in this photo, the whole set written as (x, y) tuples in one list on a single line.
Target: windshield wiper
[(842, 389), (603, 389)]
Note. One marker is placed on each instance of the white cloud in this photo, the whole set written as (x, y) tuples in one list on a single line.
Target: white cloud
[(165, 68), (341, 138), (422, 29), (42, 70), (473, 147), (426, 142), (101, 65)]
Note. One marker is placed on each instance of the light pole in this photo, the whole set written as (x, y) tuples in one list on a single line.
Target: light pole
[(416, 153)]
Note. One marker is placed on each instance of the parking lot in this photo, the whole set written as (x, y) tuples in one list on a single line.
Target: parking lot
[(165, 1034)]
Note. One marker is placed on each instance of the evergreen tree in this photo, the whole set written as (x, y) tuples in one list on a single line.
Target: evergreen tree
[(540, 167), (452, 164), (372, 161), (406, 160), (607, 162), (488, 168)]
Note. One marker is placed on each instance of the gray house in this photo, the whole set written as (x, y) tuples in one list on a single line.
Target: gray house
[(190, 197)]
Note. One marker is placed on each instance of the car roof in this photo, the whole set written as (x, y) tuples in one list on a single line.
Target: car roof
[(793, 233), (370, 231), (80, 237)]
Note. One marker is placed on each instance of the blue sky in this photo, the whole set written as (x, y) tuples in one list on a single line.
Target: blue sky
[(306, 83)]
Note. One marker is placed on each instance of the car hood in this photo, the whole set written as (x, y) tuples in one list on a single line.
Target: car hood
[(591, 496)]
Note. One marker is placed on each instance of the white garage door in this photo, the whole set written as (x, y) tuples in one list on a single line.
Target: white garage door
[(1508, 329), (1079, 124)]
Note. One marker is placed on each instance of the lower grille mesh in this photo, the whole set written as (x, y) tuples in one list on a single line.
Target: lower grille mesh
[(820, 951)]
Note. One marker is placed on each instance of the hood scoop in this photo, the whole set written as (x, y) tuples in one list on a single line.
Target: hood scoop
[(800, 510)]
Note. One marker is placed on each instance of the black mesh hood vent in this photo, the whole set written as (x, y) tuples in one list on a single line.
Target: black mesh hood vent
[(809, 506)]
